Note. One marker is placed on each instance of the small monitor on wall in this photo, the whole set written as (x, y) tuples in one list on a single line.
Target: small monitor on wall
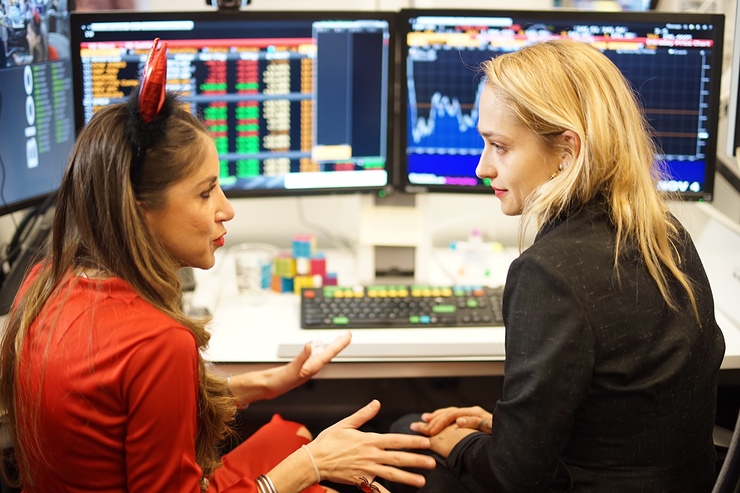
[(673, 61), (37, 128), (296, 102)]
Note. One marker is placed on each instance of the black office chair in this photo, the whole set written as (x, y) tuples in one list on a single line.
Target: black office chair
[(728, 480)]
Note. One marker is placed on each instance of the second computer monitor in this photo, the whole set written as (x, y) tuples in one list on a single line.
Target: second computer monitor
[(672, 60), (36, 117), (296, 102)]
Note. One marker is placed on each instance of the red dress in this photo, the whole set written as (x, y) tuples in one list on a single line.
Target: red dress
[(116, 383)]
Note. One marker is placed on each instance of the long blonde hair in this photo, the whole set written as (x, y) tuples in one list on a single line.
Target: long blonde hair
[(99, 224), (564, 85)]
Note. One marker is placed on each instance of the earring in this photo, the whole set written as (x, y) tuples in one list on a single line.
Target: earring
[(560, 168)]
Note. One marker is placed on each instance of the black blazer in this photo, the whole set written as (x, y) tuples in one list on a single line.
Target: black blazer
[(606, 389)]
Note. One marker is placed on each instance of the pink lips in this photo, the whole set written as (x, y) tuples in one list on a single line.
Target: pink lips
[(219, 242), (499, 192)]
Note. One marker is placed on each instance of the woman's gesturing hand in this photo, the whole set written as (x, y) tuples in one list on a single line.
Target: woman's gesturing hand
[(346, 455), (311, 360), (268, 384)]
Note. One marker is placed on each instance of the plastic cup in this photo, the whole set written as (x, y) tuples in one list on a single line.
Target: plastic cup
[(253, 264)]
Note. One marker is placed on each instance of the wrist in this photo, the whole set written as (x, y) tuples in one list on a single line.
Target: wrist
[(313, 462), (236, 393), (295, 473)]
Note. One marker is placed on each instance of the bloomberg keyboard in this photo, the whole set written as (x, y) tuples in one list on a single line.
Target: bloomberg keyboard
[(400, 306)]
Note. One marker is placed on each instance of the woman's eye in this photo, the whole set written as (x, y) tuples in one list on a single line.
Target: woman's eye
[(207, 193)]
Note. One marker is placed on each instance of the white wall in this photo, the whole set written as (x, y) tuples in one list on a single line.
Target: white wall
[(336, 220)]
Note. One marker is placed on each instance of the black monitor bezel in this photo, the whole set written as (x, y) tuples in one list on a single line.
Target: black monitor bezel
[(405, 15), (78, 19), (45, 200)]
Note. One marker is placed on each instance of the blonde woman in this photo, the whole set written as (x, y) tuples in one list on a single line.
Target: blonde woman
[(612, 348)]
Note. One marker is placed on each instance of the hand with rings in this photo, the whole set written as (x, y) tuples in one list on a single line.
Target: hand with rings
[(344, 454), (367, 486)]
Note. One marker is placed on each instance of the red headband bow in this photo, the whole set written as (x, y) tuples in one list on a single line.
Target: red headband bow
[(151, 96)]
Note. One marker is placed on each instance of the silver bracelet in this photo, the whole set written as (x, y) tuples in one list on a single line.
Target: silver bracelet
[(264, 481), (270, 484), (260, 485)]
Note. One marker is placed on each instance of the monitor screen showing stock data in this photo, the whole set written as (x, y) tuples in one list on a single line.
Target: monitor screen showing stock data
[(672, 60), (296, 102)]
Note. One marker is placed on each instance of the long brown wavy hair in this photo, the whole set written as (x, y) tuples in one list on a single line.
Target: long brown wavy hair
[(99, 224)]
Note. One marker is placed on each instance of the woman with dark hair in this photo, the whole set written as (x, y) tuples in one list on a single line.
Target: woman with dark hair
[(37, 44), (103, 381)]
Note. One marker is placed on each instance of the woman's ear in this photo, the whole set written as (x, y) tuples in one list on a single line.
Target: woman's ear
[(571, 146), (144, 211)]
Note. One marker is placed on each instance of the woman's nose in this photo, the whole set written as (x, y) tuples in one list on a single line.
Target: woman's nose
[(483, 170), (226, 211)]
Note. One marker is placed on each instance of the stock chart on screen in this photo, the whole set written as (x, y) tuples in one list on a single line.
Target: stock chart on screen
[(672, 61)]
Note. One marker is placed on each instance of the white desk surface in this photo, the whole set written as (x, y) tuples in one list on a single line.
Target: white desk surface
[(254, 334), (249, 333)]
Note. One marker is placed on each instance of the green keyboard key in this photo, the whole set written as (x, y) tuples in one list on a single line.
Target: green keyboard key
[(444, 309)]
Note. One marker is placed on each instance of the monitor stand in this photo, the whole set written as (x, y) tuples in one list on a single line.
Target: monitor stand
[(396, 225)]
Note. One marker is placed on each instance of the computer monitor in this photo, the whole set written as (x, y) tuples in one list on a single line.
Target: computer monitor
[(732, 136), (37, 128), (297, 102), (607, 5), (674, 62)]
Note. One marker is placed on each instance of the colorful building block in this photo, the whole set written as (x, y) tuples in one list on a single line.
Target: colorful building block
[(282, 284), (300, 282), (318, 265), (330, 279), (285, 265), (304, 246)]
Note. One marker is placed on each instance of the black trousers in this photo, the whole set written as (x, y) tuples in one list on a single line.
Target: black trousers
[(438, 480)]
